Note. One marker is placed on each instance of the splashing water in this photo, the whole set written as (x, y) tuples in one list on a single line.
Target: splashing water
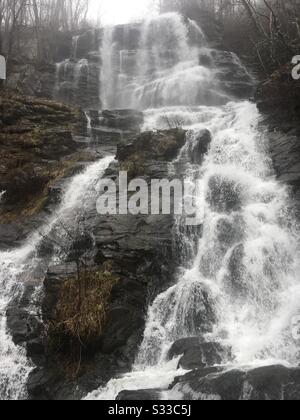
[(17, 267), (242, 288)]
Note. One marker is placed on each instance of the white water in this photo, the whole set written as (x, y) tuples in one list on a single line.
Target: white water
[(241, 283), (70, 75), (18, 266), (164, 71)]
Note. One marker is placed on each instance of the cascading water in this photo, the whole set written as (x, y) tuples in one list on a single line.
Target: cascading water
[(17, 266), (240, 285), (70, 77), (164, 71)]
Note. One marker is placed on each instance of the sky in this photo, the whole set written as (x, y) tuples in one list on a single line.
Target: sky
[(120, 11)]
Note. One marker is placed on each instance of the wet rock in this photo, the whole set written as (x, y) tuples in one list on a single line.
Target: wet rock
[(197, 353), (225, 195), (126, 119), (35, 136), (162, 146), (120, 325), (10, 235), (208, 384), (141, 395), (86, 43), (54, 280), (280, 94), (81, 244), (270, 383), (200, 146), (234, 77), (140, 250)]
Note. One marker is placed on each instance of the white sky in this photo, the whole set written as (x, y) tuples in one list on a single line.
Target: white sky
[(120, 11)]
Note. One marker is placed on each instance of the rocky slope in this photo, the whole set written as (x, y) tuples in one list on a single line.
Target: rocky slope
[(38, 147), (135, 253)]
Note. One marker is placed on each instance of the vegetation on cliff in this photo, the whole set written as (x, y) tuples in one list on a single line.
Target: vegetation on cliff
[(36, 150), (82, 308)]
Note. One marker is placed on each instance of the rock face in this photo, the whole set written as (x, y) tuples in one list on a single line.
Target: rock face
[(37, 149), (278, 99), (161, 146), (280, 93), (139, 251), (123, 119), (271, 383)]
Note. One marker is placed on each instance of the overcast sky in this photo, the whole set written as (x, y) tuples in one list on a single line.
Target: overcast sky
[(120, 11)]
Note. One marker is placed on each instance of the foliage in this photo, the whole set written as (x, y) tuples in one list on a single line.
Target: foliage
[(268, 31), (43, 18)]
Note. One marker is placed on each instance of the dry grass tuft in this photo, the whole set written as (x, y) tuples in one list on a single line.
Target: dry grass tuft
[(83, 305)]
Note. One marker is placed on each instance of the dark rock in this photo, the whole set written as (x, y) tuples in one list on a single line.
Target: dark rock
[(120, 326), (54, 280), (234, 77), (198, 353), (33, 157), (35, 349), (39, 385), (141, 395), (270, 383), (86, 43), (280, 94), (140, 249), (10, 235), (200, 147), (126, 119), (209, 384), (162, 146)]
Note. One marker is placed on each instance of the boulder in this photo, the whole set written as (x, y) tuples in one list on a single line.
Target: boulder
[(140, 395), (152, 146), (270, 383), (198, 353)]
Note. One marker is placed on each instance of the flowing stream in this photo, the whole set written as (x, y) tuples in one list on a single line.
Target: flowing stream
[(239, 286), (18, 266)]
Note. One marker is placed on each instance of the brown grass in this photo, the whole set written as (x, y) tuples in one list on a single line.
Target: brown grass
[(87, 323)]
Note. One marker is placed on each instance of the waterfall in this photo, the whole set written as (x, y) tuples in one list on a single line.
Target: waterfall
[(71, 77), (74, 47), (165, 70), (18, 266), (238, 284)]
